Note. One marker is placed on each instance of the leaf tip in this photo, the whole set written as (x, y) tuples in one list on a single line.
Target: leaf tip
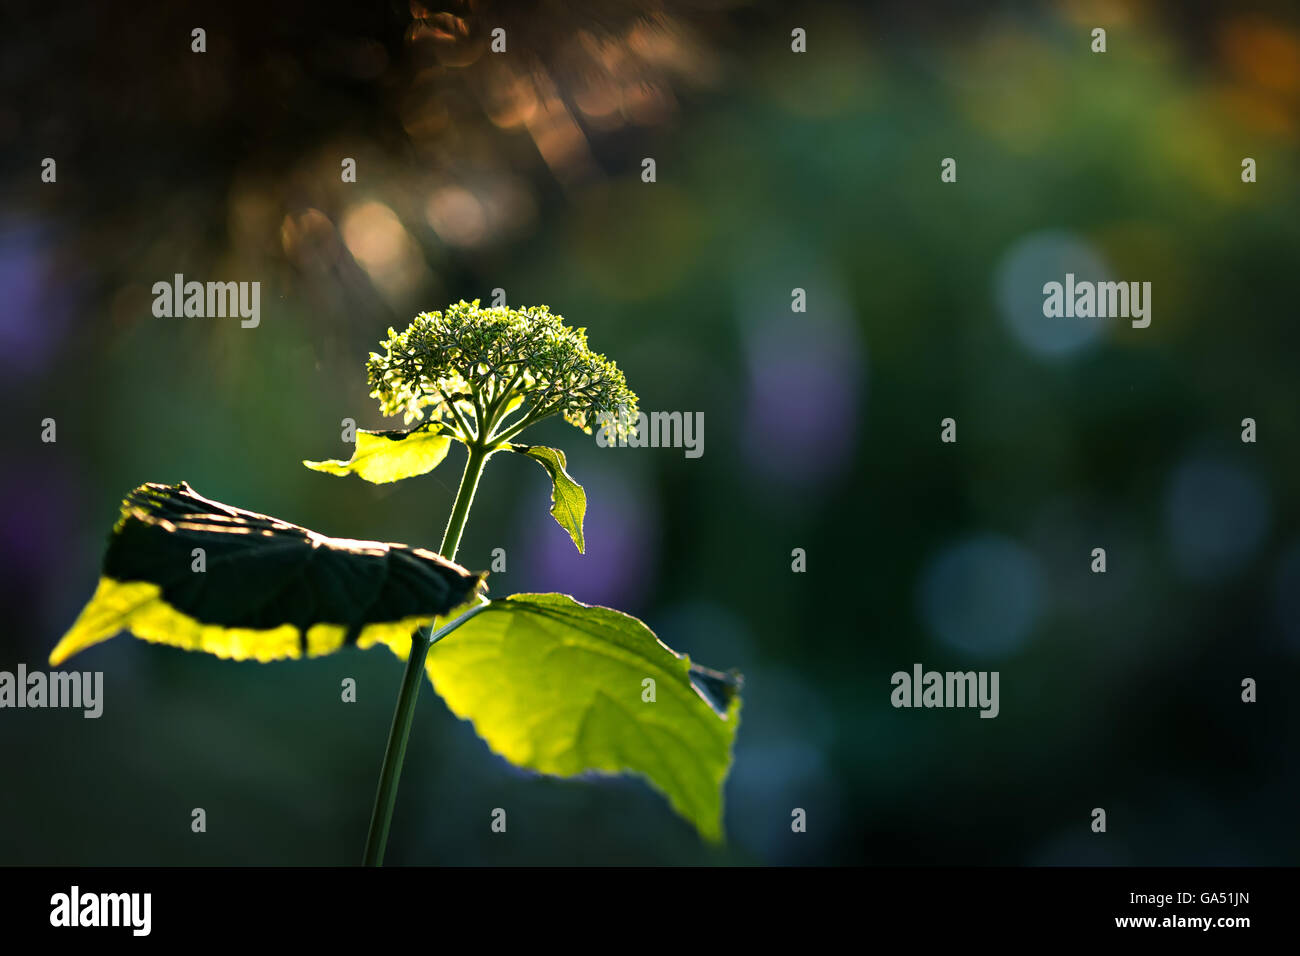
[(331, 466)]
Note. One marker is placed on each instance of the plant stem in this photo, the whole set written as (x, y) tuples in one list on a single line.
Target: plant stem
[(395, 753), (517, 426), (478, 457), (391, 771)]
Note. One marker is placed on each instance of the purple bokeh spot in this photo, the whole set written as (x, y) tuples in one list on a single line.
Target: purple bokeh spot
[(621, 537), (36, 309), (37, 527), (801, 417), (34, 525)]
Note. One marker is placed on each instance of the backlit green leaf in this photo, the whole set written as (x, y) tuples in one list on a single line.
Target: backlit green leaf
[(568, 500), (562, 688), (391, 455), (183, 570)]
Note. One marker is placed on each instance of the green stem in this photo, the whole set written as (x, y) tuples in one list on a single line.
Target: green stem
[(499, 400), (455, 413), (532, 418), (391, 771), (395, 753), (478, 456)]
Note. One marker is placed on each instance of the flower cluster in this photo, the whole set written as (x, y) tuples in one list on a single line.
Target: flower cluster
[(470, 364)]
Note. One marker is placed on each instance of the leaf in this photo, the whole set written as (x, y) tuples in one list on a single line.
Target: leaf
[(554, 685), (391, 455), (568, 500), (269, 589)]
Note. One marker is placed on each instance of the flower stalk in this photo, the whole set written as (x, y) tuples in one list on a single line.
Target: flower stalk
[(390, 772), (469, 369)]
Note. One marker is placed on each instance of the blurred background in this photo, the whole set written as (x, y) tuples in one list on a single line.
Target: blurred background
[(775, 170)]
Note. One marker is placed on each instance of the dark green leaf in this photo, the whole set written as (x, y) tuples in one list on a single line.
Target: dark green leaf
[(267, 589)]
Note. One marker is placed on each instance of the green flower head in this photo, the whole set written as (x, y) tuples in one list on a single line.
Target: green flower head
[(471, 368)]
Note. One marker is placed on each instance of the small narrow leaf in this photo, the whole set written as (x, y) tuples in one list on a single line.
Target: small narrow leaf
[(269, 589), (563, 688), (391, 455), (568, 500)]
